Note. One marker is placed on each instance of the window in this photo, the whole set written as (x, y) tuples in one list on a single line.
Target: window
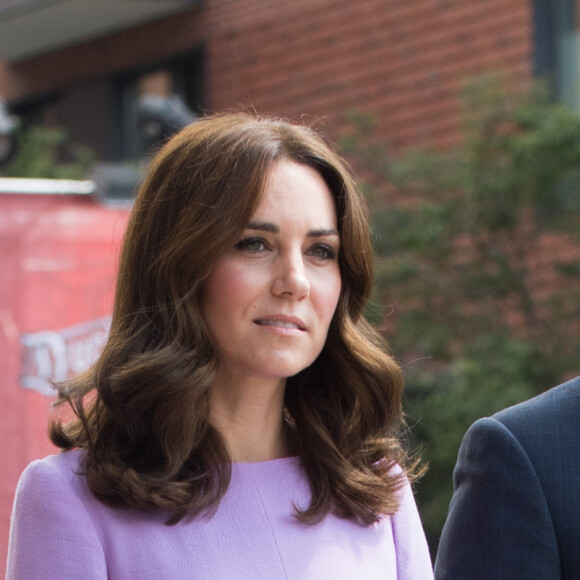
[(556, 48), (122, 118), (156, 101), (104, 113)]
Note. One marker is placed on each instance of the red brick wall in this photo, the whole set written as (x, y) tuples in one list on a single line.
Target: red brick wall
[(402, 60)]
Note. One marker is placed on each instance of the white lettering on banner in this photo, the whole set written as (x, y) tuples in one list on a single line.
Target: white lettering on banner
[(52, 356)]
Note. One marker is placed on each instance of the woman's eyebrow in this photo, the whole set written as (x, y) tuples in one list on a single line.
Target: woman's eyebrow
[(263, 227), (274, 229), (321, 233)]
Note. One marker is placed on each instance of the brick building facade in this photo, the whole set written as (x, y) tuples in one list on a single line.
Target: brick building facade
[(402, 61)]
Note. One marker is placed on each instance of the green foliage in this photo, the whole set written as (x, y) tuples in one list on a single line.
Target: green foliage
[(474, 325), (40, 154), (496, 371)]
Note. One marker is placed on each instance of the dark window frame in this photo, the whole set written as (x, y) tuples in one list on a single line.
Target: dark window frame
[(554, 21)]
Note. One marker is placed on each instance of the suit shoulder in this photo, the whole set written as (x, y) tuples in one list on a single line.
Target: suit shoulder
[(553, 406)]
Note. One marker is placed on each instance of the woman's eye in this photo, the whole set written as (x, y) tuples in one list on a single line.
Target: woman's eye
[(322, 252), (251, 245)]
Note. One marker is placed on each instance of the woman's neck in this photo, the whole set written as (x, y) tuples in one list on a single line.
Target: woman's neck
[(250, 419)]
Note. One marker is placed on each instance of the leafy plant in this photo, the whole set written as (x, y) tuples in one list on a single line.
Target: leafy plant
[(478, 305), (41, 152)]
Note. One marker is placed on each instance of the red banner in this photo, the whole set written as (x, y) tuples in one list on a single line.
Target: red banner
[(58, 257)]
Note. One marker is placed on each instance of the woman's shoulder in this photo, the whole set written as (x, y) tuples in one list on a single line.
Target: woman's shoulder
[(65, 463), (53, 473)]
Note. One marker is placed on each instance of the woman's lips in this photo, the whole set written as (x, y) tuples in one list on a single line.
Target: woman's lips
[(282, 322)]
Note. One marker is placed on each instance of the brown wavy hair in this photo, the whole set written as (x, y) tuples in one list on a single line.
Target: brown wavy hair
[(141, 412)]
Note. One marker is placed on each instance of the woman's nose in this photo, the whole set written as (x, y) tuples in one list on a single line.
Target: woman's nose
[(290, 278)]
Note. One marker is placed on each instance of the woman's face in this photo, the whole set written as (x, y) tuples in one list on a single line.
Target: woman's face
[(269, 301)]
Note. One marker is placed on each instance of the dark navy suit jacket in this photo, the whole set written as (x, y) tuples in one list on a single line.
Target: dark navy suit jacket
[(515, 512)]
